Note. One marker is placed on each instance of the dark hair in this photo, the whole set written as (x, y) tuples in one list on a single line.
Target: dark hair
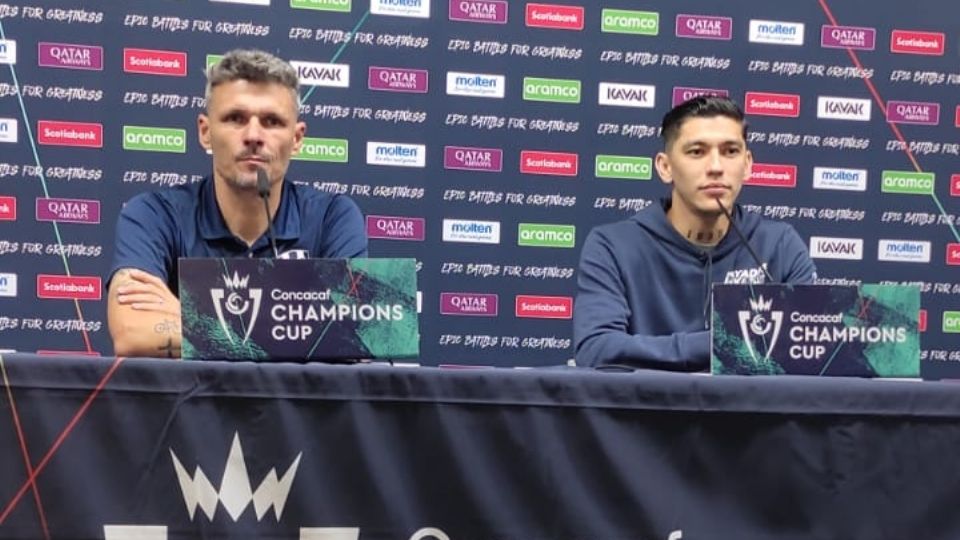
[(699, 107)]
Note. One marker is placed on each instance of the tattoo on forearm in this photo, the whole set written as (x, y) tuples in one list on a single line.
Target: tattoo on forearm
[(167, 326), (170, 350)]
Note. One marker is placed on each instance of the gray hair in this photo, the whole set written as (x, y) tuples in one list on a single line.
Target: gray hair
[(254, 66)]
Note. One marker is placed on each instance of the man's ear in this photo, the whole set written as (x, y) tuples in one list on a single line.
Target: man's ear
[(300, 131), (662, 162), (203, 131)]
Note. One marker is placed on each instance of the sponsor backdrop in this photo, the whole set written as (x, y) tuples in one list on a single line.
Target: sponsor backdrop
[(485, 138)]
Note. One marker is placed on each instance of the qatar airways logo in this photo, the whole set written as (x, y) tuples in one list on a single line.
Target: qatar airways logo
[(9, 132), (68, 210), (923, 43), (322, 74), (479, 11), (554, 16), (56, 287), (469, 304), (826, 247), (840, 108), (953, 254), (769, 175), (54, 133), (392, 154), (704, 27), (768, 104), (401, 8), (153, 62), (472, 159), (387, 79), (471, 232), (913, 112), (8, 208), (848, 37), (549, 163), (483, 85), (69, 56), (396, 228), (776, 32), (627, 95), (904, 251), (839, 179), (686, 93), (543, 307)]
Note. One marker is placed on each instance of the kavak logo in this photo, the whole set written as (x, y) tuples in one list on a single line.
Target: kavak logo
[(322, 74), (476, 85), (83, 134), (549, 163), (8, 51), (767, 104), (68, 210), (704, 27), (479, 11), (238, 300), (766, 174), (466, 158), (628, 95), (825, 247), (762, 324), (913, 112), (469, 304), (553, 16), (69, 56), (776, 32), (396, 228), (68, 287), (235, 493), (9, 132), (684, 93), (848, 37), (387, 79), (153, 62), (839, 179), (8, 208), (543, 307), (925, 43), (401, 8), (953, 254), (840, 108)]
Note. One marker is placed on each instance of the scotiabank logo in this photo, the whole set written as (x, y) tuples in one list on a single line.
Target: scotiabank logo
[(955, 185), (825, 247), (544, 307), (152, 62), (767, 104), (765, 174), (956, 117), (548, 163), (68, 210), (469, 304), (922, 321), (553, 16), (953, 254), (8, 208), (396, 228), (87, 135), (68, 287), (925, 43)]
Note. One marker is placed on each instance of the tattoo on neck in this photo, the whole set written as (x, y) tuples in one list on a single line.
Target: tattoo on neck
[(705, 237)]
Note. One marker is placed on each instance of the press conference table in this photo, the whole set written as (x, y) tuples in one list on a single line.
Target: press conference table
[(120, 448)]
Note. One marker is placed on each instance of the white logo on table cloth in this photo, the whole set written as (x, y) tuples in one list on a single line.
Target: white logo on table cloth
[(755, 326)]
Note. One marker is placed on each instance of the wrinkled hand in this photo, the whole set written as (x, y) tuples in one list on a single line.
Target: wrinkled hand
[(142, 291)]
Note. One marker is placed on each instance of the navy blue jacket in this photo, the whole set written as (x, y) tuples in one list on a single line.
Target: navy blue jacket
[(644, 290)]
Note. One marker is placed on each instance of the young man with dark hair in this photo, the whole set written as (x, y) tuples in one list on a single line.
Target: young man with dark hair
[(644, 283), (251, 123)]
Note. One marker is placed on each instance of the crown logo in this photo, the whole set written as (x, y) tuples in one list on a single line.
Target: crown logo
[(235, 282), (760, 305)]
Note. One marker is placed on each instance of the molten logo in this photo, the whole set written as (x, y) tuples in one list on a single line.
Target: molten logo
[(471, 232), (760, 323), (553, 16), (544, 307), (401, 8), (776, 32), (840, 179), (924, 43), (767, 104), (825, 247), (68, 287), (764, 174), (904, 251), (476, 85), (8, 51), (151, 62), (9, 130), (392, 154), (235, 493), (236, 305), (86, 135), (396, 228), (549, 163)]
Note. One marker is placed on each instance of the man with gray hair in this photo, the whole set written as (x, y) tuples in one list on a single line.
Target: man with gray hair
[(251, 123)]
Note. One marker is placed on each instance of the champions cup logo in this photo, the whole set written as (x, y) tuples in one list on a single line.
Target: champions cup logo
[(236, 304), (760, 324), (236, 492)]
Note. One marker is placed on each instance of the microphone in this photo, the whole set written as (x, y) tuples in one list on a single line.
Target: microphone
[(263, 188), (743, 240)]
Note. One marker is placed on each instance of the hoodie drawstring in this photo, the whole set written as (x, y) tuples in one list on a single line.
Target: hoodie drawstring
[(707, 280)]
